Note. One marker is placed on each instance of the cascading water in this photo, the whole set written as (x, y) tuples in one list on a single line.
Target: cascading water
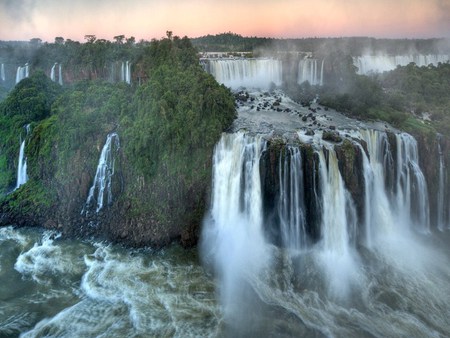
[(22, 176), (396, 194), (103, 176), (233, 233), (251, 73), (2, 72), (367, 64), (52, 72), (125, 73), (309, 70), (338, 226), (377, 164), (411, 189), (22, 73), (60, 79), (291, 207), (441, 214)]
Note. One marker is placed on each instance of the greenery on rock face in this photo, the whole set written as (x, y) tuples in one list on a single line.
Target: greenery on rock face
[(167, 125), (176, 119), (29, 103)]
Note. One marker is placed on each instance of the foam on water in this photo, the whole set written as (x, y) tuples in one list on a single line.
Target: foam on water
[(131, 293), (45, 259)]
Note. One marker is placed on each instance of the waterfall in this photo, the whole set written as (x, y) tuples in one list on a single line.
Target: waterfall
[(441, 216), (103, 176), (60, 79), (52, 73), (412, 192), (367, 64), (308, 70), (338, 226), (22, 176), (291, 201), (252, 73), (396, 194), (125, 72), (128, 73), (232, 236), (2, 72), (22, 73), (377, 165)]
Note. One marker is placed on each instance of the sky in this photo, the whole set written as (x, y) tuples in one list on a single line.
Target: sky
[(147, 19)]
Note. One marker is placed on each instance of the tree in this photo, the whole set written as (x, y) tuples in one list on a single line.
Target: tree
[(59, 40), (90, 38), (119, 39), (35, 41)]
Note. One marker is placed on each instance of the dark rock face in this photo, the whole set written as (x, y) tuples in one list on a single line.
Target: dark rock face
[(350, 159), (429, 161)]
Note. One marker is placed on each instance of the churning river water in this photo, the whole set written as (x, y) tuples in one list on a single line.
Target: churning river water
[(56, 287)]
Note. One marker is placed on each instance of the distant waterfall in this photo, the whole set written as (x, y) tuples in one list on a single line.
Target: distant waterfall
[(441, 216), (103, 176), (310, 70), (125, 73), (367, 64), (53, 73), (291, 200), (60, 79), (22, 73), (252, 73), (22, 176), (2, 72)]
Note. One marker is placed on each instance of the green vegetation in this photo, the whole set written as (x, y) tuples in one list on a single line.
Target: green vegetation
[(29, 103), (168, 126)]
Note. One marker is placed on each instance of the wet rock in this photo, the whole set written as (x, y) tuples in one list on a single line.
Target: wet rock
[(331, 136)]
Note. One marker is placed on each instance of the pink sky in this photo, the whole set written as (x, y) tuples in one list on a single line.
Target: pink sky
[(146, 19)]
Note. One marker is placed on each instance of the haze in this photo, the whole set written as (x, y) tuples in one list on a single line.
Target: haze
[(146, 19)]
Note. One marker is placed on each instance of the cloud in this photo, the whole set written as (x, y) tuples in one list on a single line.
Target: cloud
[(281, 18)]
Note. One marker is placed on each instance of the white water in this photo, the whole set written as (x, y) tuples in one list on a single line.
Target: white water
[(338, 226), (251, 73), (310, 70), (2, 72), (412, 192), (22, 176), (367, 64), (103, 176), (60, 79), (379, 215), (22, 73), (233, 236), (291, 207), (52, 72), (335, 281), (125, 73), (56, 287), (441, 212)]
